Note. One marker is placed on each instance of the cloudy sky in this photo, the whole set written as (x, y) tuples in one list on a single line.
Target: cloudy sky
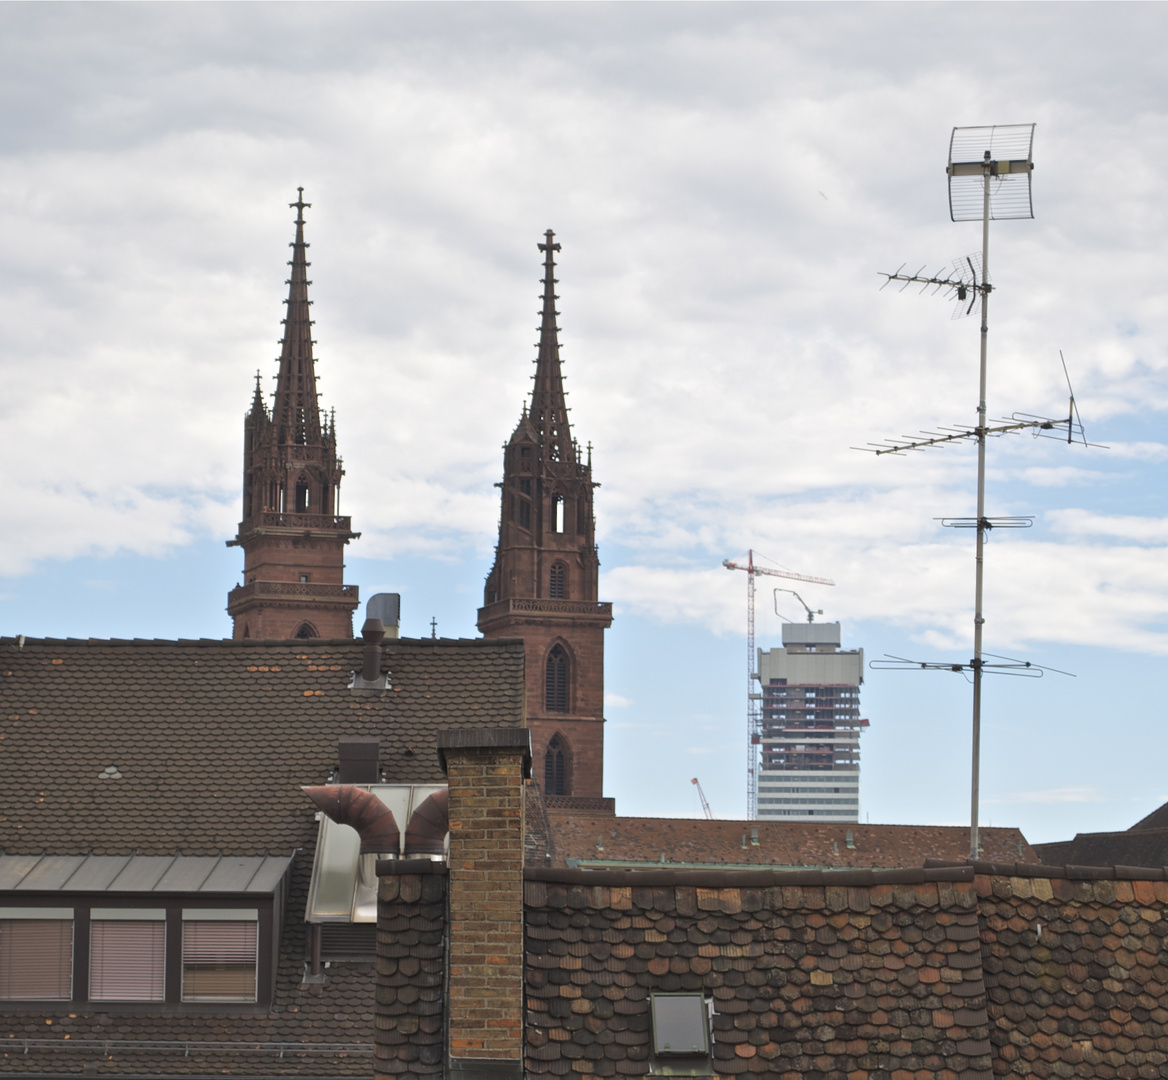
[(727, 182)]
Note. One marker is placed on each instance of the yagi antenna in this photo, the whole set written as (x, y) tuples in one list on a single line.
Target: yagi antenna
[(989, 173)]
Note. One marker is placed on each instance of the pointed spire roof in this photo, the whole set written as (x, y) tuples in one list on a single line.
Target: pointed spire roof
[(258, 408), (549, 410), (296, 412)]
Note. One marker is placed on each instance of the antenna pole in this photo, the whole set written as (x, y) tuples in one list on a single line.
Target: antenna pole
[(982, 524)]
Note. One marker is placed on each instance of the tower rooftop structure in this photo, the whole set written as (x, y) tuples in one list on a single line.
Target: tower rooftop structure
[(543, 585), (292, 536)]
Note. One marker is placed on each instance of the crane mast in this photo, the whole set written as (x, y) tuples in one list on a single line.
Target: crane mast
[(705, 802), (754, 700)]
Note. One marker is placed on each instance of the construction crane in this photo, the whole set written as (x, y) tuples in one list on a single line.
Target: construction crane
[(754, 700), (705, 802), (810, 614)]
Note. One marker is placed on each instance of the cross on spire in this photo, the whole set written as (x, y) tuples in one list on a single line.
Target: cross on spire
[(549, 409), (300, 205)]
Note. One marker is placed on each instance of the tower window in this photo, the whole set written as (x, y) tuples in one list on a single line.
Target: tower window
[(555, 773), (524, 514), (558, 513), (525, 485), (556, 680), (305, 631), (558, 582), (301, 498)]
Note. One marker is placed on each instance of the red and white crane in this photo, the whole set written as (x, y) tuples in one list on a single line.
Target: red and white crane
[(753, 698)]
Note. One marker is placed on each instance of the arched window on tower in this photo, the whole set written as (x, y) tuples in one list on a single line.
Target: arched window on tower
[(556, 680), (558, 582), (558, 513), (302, 499), (555, 768), (305, 631)]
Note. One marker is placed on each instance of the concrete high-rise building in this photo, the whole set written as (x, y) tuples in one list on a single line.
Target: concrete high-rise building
[(810, 726)]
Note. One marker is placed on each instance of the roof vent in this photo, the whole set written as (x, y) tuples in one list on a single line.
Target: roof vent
[(370, 677), (386, 607), (360, 758)]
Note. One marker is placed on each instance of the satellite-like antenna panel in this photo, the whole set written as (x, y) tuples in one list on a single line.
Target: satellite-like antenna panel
[(1009, 148)]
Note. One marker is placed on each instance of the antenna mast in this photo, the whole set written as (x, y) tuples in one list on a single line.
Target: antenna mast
[(989, 174)]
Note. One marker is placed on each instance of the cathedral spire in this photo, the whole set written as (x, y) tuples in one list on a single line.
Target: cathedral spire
[(549, 409), (544, 584), (291, 531), (296, 412)]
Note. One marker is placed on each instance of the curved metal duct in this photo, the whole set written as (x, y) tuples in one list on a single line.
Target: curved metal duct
[(428, 825), (363, 811)]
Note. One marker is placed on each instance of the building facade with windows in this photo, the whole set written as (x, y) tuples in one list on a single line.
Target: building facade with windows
[(811, 726), (543, 586)]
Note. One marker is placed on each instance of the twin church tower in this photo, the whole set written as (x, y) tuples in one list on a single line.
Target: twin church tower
[(542, 587)]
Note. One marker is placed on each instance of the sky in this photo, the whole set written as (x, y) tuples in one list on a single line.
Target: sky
[(727, 181)]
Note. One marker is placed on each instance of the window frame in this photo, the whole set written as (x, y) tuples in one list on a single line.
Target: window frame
[(269, 910)]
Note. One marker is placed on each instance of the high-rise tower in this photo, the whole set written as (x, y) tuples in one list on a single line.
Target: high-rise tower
[(292, 537), (811, 726), (543, 586)]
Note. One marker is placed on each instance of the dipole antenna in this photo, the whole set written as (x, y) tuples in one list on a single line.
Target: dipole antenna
[(989, 172)]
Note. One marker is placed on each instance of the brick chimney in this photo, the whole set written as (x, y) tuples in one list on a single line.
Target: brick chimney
[(485, 769)]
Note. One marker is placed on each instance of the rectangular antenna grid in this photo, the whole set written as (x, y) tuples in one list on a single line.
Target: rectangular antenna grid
[(1010, 146)]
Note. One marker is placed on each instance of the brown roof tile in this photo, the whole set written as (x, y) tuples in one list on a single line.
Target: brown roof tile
[(617, 840)]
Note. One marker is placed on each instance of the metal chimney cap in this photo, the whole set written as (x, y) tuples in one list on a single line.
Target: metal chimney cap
[(373, 630)]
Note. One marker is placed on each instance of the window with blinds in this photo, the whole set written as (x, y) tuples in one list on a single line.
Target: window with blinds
[(219, 960), (127, 960), (36, 958)]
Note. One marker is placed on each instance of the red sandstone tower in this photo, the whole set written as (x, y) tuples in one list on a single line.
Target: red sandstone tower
[(292, 538), (543, 586)]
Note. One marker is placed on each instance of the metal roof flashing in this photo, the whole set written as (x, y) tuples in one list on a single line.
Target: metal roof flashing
[(207, 875)]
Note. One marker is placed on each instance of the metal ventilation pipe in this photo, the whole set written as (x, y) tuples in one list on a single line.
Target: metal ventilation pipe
[(373, 633)]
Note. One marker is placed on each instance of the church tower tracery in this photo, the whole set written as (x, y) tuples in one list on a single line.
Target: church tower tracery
[(543, 586), (291, 534)]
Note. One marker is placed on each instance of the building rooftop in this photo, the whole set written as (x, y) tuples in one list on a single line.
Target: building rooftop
[(200, 747), (577, 839)]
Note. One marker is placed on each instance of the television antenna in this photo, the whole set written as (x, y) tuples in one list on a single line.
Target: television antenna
[(989, 172)]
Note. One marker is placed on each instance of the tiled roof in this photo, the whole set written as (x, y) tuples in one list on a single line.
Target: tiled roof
[(1076, 973), (199, 747), (692, 841), (1148, 847), (806, 981), (1157, 819)]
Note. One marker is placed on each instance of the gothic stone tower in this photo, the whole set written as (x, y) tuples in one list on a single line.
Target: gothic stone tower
[(292, 538), (543, 586)]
